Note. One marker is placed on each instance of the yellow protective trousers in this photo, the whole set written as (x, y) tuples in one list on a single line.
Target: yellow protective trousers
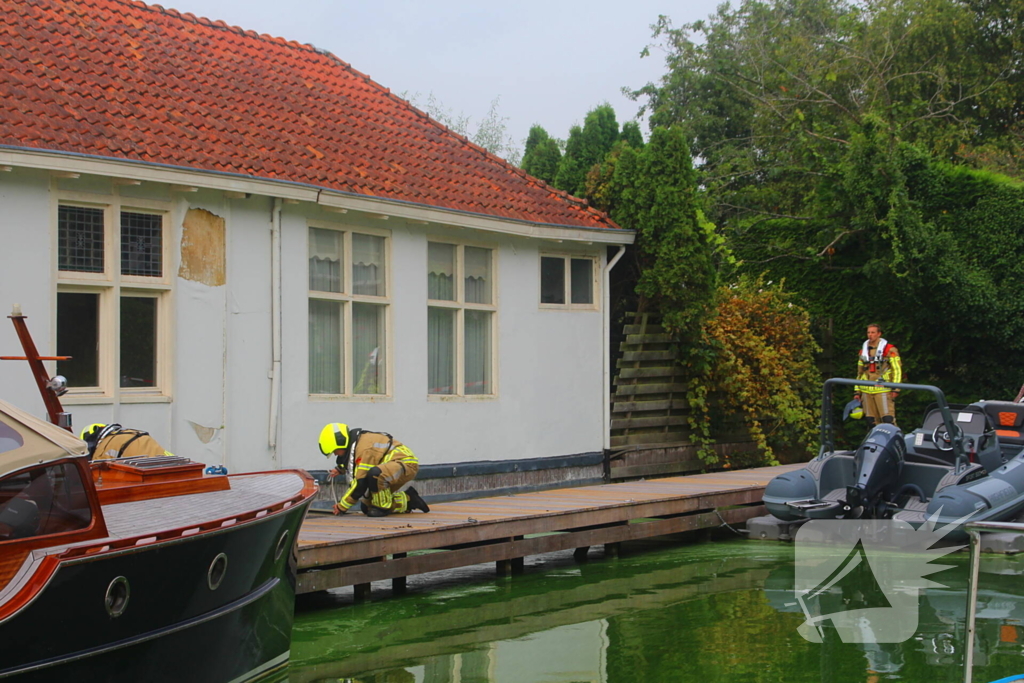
[(397, 469)]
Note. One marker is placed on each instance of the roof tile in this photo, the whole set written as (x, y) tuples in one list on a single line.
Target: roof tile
[(122, 79)]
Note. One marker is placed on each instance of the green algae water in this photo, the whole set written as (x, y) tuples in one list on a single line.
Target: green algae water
[(709, 612)]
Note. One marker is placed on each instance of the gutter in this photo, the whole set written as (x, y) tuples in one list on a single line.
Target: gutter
[(275, 326), (606, 318)]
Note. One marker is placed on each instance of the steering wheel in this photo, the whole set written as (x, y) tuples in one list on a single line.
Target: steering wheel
[(942, 439)]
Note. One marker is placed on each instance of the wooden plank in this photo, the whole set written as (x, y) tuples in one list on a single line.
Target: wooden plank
[(655, 469), (660, 438), (649, 339), (648, 406), (656, 388), (630, 356), (646, 373), (309, 581), (656, 421), (648, 329)]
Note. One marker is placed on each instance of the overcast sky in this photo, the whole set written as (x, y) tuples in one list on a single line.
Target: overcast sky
[(549, 61)]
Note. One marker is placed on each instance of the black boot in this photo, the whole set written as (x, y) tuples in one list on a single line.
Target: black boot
[(374, 511), (416, 501)]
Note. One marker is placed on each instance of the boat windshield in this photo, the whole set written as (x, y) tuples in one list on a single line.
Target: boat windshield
[(44, 500)]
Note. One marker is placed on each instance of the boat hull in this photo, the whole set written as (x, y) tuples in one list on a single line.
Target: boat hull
[(174, 625)]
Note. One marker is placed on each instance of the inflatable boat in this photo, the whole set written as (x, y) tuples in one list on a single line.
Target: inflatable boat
[(964, 461)]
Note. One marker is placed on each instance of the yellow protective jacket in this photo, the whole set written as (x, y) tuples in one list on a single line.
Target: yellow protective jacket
[(878, 363), (127, 443), (398, 466)]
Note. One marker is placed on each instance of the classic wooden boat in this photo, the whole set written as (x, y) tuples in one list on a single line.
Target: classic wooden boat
[(145, 569)]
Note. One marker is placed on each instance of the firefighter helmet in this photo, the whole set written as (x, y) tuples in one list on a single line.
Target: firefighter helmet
[(333, 437)]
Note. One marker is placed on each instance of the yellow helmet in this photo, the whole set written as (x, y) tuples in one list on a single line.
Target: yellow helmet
[(92, 431), (333, 437), (857, 413)]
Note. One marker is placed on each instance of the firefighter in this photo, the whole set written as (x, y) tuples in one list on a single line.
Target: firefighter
[(376, 466), (879, 361), (111, 441)]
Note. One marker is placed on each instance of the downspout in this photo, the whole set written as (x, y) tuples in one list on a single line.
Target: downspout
[(275, 324), (605, 343)]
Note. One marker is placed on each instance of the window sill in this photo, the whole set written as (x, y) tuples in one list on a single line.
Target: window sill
[(144, 398), (85, 399), (452, 398), (572, 307), (344, 398), (99, 399)]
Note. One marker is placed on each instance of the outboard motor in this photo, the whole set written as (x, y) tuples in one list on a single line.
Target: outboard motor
[(877, 467)]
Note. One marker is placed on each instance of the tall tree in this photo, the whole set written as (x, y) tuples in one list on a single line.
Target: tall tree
[(631, 134), (541, 155), (586, 147)]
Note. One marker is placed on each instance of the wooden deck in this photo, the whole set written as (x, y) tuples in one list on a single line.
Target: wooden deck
[(353, 550)]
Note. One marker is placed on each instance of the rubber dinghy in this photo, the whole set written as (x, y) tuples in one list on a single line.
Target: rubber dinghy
[(962, 461)]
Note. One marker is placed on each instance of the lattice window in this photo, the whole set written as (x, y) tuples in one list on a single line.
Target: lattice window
[(80, 239), (141, 244)]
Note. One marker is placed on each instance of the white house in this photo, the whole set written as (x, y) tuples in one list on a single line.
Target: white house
[(239, 239)]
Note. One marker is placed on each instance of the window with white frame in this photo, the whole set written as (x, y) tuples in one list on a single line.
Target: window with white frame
[(112, 299), (568, 281), (348, 312), (461, 314)]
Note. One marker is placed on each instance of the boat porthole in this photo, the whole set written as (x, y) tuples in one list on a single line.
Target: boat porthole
[(218, 568), (282, 543), (118, 593)]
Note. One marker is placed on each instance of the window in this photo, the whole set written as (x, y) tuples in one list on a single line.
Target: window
[(43, 501), (460, 320), (348, 312), (112, 295), (567, 282)]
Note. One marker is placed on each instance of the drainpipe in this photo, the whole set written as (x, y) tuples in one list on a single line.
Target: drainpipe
[(605, 342), (275, 324)]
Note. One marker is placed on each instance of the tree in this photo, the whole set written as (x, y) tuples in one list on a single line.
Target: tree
[(655, 194), (631, 134), (586, 147), (541, 155)]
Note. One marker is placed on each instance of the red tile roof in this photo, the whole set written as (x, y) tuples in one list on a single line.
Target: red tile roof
[(121, 79)]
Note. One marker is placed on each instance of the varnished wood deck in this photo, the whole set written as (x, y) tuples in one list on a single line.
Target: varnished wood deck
[(353, 550)]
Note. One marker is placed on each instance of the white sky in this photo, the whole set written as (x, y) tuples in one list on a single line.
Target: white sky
[(549, 62)]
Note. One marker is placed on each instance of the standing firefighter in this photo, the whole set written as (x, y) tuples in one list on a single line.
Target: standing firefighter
[(879, 361), (376, 466)]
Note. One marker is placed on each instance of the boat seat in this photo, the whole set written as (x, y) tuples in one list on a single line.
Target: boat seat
[(1007, 418)]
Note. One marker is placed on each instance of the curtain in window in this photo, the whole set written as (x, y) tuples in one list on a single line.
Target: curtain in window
[(326, 372), (441, 271), (478, 275), (440, 351), (325, 260), (368, 349), (367, 265), (478, 352)]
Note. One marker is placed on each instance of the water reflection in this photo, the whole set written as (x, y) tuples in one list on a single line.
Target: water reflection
[(710, 612)]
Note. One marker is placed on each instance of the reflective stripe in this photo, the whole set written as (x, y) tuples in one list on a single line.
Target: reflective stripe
[(348, 494), (401, 502), (382, 499)]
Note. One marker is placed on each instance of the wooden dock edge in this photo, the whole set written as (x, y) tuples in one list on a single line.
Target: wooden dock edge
[(513, 547)]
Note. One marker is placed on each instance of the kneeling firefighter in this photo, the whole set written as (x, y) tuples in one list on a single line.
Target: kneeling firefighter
[(107, 442), (376, 467)]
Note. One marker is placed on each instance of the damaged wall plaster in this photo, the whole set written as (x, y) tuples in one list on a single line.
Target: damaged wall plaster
[(203, 248)]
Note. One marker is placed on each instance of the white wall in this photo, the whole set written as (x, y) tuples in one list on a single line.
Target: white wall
[(549, 373)]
